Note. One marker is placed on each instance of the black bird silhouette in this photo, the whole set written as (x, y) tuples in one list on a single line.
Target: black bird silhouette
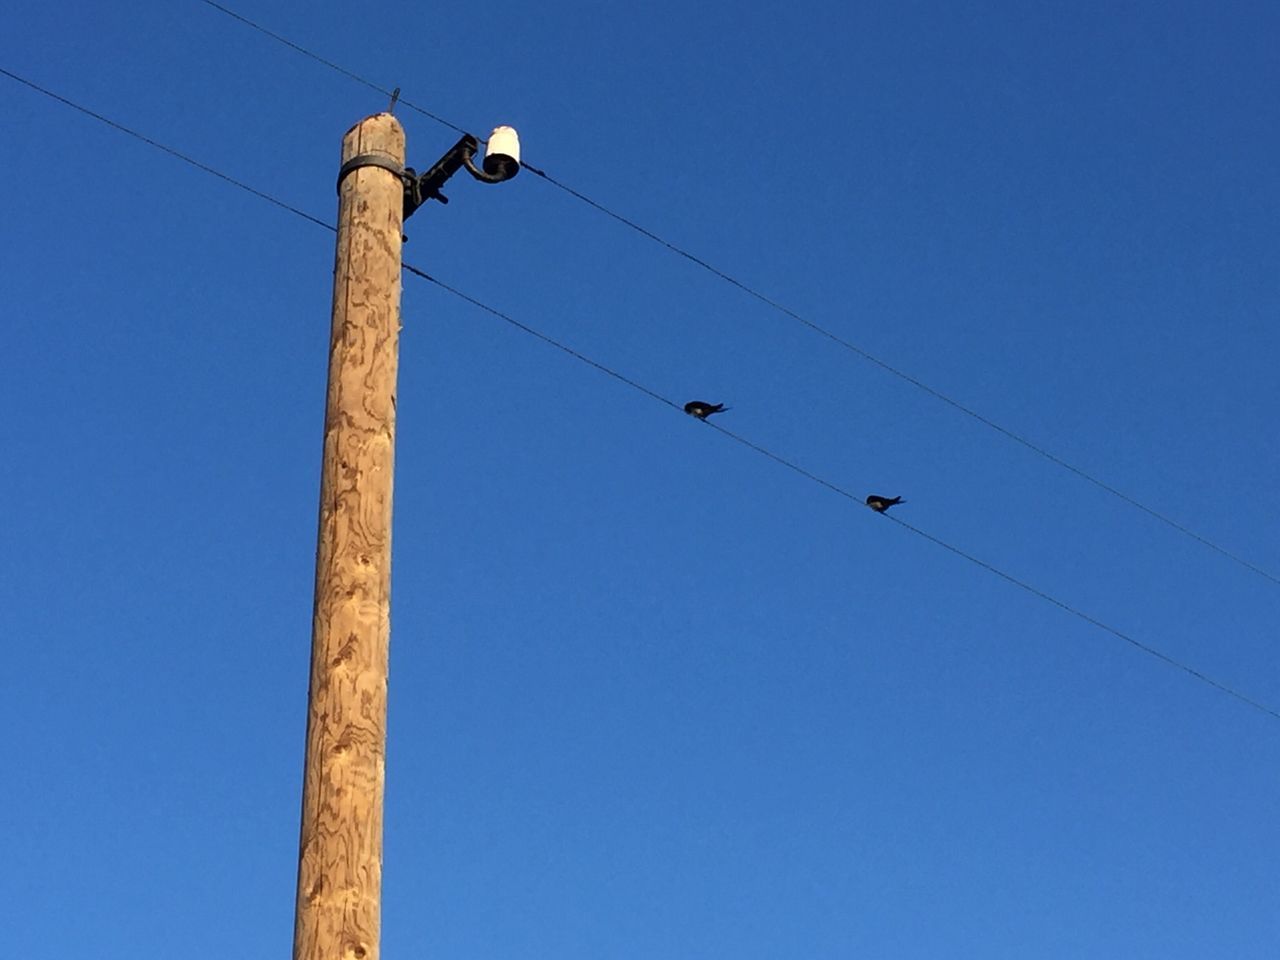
[(881, 504), (701, 409)]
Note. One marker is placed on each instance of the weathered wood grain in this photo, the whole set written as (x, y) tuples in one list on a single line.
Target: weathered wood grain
[(340, 856)]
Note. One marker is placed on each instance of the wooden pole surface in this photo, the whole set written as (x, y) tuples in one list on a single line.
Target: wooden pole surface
[(340, 858)]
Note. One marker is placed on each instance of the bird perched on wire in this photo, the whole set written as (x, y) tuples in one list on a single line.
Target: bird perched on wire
[(881, 504), (701, 409)]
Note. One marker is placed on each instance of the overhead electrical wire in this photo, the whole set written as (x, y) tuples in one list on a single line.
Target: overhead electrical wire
[(850, 495), (654, 395), (392, 94), (160, 146), (781, 308)]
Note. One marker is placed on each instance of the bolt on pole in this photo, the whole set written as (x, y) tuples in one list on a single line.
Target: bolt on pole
[(338, 913)]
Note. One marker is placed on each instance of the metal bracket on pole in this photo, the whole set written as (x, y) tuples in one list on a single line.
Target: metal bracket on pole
[(500, 165), (419, 189)]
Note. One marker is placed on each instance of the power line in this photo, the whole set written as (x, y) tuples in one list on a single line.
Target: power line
[(1037, 592), (565, 348), (788, 312), (850, 495), (169, 150), (394, 94), (654, 395)]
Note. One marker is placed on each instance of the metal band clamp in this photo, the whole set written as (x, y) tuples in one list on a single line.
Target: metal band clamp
[(369, 160)]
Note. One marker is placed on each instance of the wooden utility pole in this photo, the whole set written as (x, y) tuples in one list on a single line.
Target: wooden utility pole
[(340, 858)]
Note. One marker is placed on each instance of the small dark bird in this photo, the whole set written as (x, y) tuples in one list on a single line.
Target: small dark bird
[(881, 504), (701, 409)]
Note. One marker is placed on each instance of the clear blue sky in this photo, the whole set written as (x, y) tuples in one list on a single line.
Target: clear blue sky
[(653, 695)]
